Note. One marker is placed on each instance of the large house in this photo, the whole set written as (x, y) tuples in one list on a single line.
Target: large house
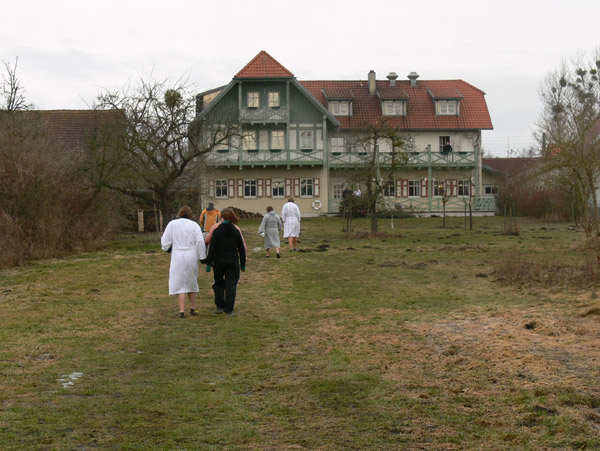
[(299, 139)]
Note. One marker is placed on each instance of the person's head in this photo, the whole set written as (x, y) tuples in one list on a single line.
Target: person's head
[(269, 209), (185, 212), (229, 215), (291, 199), (211, 205)]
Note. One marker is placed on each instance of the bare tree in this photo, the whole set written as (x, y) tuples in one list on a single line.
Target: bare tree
[(377, 171), (569, 133), (160, 147), (13, 94)]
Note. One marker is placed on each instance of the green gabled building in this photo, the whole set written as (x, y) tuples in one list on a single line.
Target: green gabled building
[(297, 139)]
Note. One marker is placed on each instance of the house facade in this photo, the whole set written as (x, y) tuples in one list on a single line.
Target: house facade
[(299, 139)]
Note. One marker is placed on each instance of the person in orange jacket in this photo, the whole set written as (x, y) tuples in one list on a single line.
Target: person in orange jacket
[(209, 217)]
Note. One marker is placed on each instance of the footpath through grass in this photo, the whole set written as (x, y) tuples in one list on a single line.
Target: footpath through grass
[(405, 341)]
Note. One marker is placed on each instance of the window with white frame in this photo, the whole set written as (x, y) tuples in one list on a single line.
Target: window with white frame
[(250, 188), (306, 139), (278, 187), (389, 188), (250, 140), (221, 188), (393, 108), (438, 188), (306, 187), (338, 145), (339, 107), (414, 188), (277, 139), (490, 190), (447, 107), (464, 187), (338, 190), (274, 99), (253, 99)]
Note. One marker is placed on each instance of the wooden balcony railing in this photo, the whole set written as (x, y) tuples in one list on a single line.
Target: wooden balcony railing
[(264, 115)]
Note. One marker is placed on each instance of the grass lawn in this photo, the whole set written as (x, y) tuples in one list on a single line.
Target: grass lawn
[(405, 341)]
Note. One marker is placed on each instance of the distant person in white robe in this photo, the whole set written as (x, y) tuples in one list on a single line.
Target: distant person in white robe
[(290, 214), (270, 227), (183, 238)]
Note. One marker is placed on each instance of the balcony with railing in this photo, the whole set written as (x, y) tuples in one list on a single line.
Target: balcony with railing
[(264, 115), (425, 158), (235, 157)]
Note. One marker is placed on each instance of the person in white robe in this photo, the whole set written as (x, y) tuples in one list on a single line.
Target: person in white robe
[(183, 238), (290, 214)]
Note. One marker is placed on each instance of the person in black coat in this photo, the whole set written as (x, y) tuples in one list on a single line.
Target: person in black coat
[(226, 255)]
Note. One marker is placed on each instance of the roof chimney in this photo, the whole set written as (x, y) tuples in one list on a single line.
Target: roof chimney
[(413, 79), (392, 78), (371, 83)]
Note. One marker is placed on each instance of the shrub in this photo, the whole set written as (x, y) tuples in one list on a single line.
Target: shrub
[(49, 206)]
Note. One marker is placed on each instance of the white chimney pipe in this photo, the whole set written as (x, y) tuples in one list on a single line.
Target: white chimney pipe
[(372, 85)]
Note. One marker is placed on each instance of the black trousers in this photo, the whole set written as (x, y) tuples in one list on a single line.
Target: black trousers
[(227, 275)]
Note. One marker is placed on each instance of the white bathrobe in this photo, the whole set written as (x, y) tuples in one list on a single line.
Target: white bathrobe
[(185, 238), (290, 214)]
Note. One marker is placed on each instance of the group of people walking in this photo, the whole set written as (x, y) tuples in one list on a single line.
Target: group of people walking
[(218, 242)]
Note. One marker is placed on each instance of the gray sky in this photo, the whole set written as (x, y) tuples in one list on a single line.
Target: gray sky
[(69, 50)]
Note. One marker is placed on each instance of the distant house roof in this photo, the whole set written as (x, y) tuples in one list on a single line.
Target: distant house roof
[(72, 130), (264, 65), (509, 166)]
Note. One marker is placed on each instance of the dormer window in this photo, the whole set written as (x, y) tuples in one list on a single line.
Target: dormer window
[(447, 107), (253, 99), (393, 107), (339, 107)]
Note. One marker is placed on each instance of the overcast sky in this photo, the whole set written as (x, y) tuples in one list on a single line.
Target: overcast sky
[(69, 50)]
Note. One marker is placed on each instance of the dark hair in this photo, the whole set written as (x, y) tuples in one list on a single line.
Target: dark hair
[(291, 199), (228, 215), (269, 208), (185, 212)]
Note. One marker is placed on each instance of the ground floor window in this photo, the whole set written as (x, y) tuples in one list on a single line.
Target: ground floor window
[(306, 187), (414, 188), (249, 188), (438, 188), (221, 189), (464, 188), (389, 188), (278, 187), (338, 190)]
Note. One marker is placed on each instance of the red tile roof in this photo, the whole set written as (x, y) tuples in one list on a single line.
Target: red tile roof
[(264, 65), (338, 94), (392, 93), (366, 108), (445, 92)]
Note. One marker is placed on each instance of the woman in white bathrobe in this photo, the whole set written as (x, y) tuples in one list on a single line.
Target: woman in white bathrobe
[(183, 238), (290, 214)]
